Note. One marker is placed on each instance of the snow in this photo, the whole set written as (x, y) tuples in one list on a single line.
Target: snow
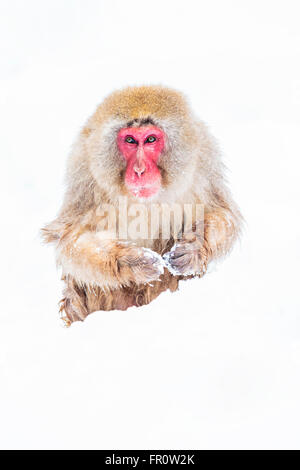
[(215, 365)]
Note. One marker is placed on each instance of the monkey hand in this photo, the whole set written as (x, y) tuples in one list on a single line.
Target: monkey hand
[(140, 265), (186, 259)]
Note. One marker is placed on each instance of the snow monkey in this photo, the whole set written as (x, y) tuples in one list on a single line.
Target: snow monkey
[(142, 149)]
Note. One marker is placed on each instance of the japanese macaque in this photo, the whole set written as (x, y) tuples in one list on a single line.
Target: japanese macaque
[(142, 149)]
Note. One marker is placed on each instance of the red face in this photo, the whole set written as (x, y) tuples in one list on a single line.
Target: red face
[(141, 148)]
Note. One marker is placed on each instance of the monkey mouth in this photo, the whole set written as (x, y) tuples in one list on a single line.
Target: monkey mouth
[(144, 191)]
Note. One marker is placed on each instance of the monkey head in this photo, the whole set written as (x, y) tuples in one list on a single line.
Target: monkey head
[(141, 142)]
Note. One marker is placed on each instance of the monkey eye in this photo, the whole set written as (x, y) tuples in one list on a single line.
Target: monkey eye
[(150, 139), (130, 140)]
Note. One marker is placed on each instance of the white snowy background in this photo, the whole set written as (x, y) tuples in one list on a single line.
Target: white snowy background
[(215, 365)]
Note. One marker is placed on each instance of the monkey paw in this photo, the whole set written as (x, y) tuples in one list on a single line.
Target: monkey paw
[(140, 265), (186, 259)]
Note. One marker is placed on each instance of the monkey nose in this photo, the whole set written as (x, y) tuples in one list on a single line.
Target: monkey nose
[(139, 168)]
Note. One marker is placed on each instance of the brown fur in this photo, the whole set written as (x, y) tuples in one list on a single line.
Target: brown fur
[(105, 274), (80, 301)]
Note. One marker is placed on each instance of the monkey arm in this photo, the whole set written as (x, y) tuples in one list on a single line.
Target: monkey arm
[(92, 259), (212, 239)]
